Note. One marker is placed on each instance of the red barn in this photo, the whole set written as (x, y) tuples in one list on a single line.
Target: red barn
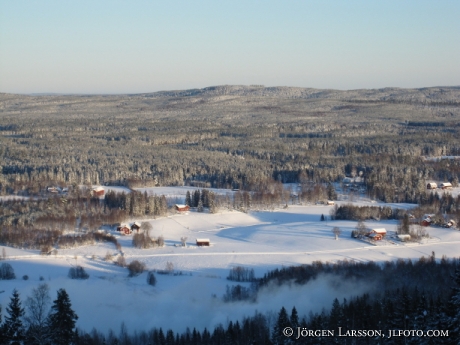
[(182, 208), (124, 229), (377, 234), (203, 242), (98, 191)]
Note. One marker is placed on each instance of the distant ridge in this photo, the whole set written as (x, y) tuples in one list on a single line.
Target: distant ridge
[(427, 94)]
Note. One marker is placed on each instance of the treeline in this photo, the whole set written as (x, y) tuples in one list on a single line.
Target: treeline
[(137, 204), (434, 277), (417, 316), (203, 198), (352, 212)]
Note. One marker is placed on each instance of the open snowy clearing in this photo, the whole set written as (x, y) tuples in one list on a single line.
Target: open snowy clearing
[(260, 240)]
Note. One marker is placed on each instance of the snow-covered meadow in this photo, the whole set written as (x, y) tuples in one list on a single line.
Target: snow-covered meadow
[(261, 240)]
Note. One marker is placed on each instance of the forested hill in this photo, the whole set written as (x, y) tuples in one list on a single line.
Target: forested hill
[(232, 137), (423, 95)]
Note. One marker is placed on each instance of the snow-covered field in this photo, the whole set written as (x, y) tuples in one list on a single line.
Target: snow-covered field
[(259, 240)]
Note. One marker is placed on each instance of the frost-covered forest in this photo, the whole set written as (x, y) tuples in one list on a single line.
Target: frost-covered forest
[(250, 142), (232, 137)]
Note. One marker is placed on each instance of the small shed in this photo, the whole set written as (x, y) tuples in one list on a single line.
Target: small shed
[(182, 208), (449, 224), (431, 185), (330, 202), (124, 229), (98, 191), (136, 226), (203, 242), (446, 185)]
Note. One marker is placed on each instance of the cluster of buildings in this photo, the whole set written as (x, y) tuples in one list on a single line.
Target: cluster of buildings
[(443, 186), (128, 230)]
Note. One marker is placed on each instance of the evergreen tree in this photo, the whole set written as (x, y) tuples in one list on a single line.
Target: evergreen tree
[(200, 206), (283, 321), (294, 319), (13, 329), (188, 199), (205, 197), (331, 193), (336, 318), (454, 306), (196, 198), (62, 319), (403, 227), (212, 202)]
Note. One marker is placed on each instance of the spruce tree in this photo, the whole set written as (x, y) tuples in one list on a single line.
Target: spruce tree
[(196, 198), (331, 193), (294, 319), (13, 330), (454, 306), (188, 199), (200, 206), (62, 319), (283, 321)]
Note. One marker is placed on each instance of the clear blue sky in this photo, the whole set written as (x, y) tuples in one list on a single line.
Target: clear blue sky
[(110, 46)]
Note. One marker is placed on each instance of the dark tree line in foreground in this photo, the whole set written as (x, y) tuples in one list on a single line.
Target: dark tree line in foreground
[(395, 301), (38, 323)]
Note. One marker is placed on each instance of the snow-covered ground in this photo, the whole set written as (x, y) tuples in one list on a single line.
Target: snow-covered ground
[(13, 197), (260, 240)]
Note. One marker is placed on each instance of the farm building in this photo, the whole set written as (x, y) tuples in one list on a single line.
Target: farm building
[(182, 208), (377, 234), (445, 185), (98, 191), (202, 242), (427, 219), (449, 224), (124, 229), (431, 185), (136, 226), (347, 181)]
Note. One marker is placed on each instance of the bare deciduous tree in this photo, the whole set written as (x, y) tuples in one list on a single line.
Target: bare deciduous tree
[(146, 227), (361, 228), (37, 306), (336, 231), (169, 267)]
